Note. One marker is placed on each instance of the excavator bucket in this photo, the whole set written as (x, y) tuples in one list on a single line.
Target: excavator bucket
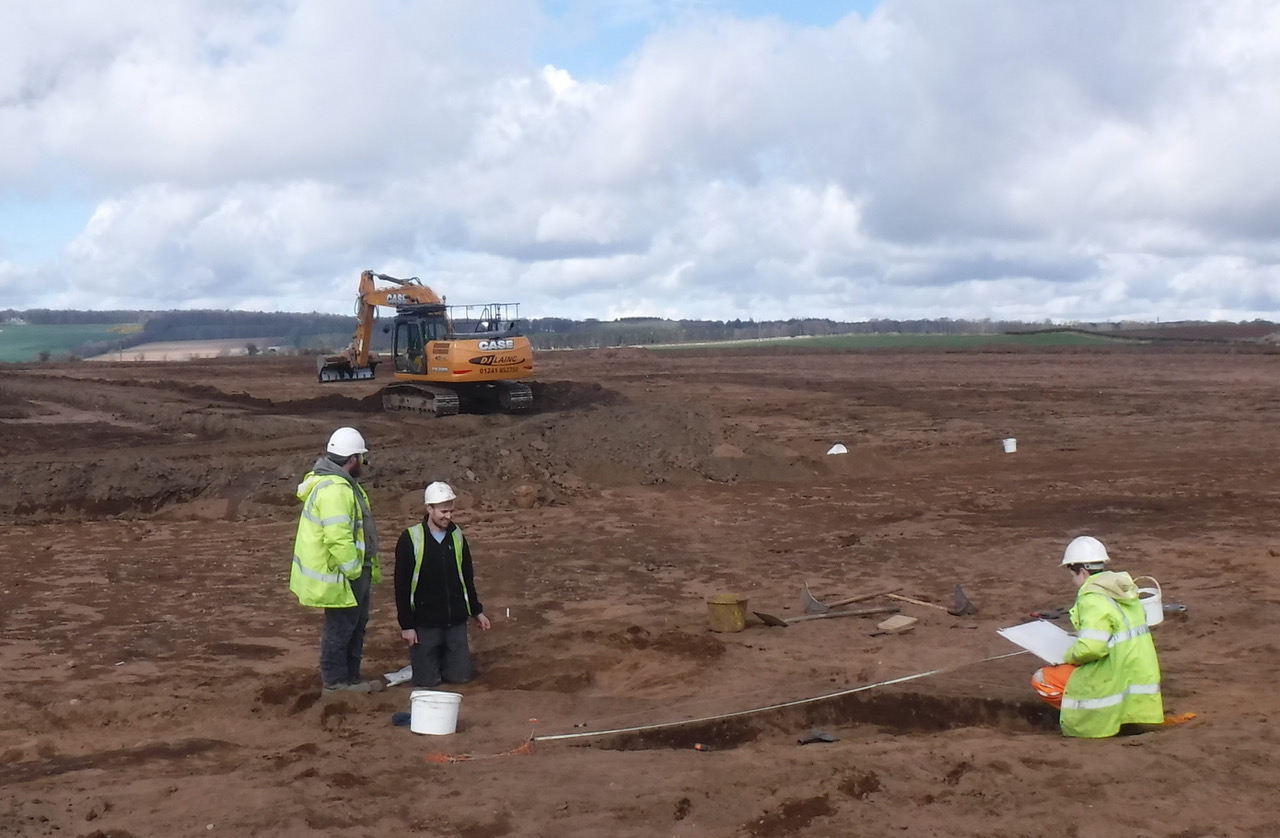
[(340, 368)]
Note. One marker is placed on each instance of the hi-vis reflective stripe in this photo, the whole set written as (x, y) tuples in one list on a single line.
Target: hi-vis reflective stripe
[(466, 595), (1112, 640), (1129, 634), (310, 515), (331, 578), (1110, 700), (415, 535), (324, 522)]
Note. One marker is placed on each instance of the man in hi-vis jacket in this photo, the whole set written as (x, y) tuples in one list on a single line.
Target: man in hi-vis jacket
[(335, 559)]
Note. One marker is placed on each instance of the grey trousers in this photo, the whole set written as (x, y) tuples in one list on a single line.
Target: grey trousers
[(442, 654), (342, 637)]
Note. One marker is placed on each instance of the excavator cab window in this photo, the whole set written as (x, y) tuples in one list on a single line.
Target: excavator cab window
[(409, 356), (437, 329)]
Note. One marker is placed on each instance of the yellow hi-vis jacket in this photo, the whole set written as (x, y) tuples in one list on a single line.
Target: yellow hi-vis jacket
[(1117, 675), (329, 547)]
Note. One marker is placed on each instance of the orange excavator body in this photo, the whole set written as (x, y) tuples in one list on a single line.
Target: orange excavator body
[(442, 355)]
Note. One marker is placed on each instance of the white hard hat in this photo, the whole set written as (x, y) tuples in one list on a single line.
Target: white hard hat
[(1085, 550), (438, 493), (347, 441)]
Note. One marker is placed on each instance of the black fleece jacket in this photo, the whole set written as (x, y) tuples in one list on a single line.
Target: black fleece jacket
[(439, 601)]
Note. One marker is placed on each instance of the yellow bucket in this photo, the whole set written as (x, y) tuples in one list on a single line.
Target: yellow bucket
[(728, 612)]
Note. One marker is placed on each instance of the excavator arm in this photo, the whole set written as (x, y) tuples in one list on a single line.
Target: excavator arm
[(354, 362), (403, 292)]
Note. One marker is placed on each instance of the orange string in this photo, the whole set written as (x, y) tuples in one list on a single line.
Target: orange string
[(444, 759)]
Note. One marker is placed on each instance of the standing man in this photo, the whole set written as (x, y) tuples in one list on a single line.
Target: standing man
[(1111, 676), (335, 558), (436, 593)]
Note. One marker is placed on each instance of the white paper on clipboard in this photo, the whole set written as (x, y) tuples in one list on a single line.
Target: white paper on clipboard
[(1041, 638)]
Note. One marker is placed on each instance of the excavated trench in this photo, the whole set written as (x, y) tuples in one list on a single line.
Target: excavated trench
[(894, 712)]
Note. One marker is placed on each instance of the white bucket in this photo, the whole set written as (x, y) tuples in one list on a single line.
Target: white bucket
[(1010, 445), (1151, 601), (434, 713)]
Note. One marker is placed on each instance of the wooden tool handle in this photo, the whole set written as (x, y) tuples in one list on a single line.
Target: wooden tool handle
[(860, 598), (856, 612), (916, 601)]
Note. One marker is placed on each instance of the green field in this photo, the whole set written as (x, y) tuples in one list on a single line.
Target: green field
[(900, 341), (21, 343)]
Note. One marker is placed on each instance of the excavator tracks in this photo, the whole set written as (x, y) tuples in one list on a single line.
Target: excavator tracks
[(438, 401), (500, 396), (513, 396)]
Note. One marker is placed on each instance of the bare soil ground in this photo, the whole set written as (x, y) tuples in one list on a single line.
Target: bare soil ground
[(160, 680)]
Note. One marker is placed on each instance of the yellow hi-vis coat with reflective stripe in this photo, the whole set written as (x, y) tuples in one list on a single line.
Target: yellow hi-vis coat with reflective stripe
[(1117, 675), (329, 547)]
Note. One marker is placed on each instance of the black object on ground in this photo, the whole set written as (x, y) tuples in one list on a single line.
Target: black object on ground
[(817, 735)]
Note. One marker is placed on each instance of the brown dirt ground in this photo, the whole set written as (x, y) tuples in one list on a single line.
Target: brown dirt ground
[(160, 680)]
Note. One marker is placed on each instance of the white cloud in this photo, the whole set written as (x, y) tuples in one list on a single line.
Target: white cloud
[(1034, 160)]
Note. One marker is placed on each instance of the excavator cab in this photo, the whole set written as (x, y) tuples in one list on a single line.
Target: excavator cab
[(416, 327)]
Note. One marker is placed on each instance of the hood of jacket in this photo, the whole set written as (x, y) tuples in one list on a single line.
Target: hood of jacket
[(1115, 584), (324, 467)]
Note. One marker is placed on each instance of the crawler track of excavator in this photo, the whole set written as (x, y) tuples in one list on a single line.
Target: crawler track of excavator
[(504, 396), (403, 395)]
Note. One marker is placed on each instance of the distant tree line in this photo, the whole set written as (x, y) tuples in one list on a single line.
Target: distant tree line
[(325, 333), (59, 317)]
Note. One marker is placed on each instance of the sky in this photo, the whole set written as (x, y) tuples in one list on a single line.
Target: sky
[(710, 159)]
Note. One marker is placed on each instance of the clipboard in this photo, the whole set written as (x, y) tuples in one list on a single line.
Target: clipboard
[(1041, 638)]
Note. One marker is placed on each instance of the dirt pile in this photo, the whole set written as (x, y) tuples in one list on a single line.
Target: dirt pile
[(111, 448)]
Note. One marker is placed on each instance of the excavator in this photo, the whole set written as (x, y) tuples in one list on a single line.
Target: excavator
[(441, 362)]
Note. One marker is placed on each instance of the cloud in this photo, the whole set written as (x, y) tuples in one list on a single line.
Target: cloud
[(1034, 161)]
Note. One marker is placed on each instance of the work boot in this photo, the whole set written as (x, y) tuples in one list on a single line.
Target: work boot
[(361, 687)]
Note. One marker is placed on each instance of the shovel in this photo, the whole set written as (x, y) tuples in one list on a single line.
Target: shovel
[(813, 605), (771, 620)]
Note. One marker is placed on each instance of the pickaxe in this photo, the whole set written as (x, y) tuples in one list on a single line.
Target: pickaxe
[(812, 605), (962, 607)]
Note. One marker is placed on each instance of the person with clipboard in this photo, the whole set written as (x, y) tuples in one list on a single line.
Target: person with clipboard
[(1110, 675)]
